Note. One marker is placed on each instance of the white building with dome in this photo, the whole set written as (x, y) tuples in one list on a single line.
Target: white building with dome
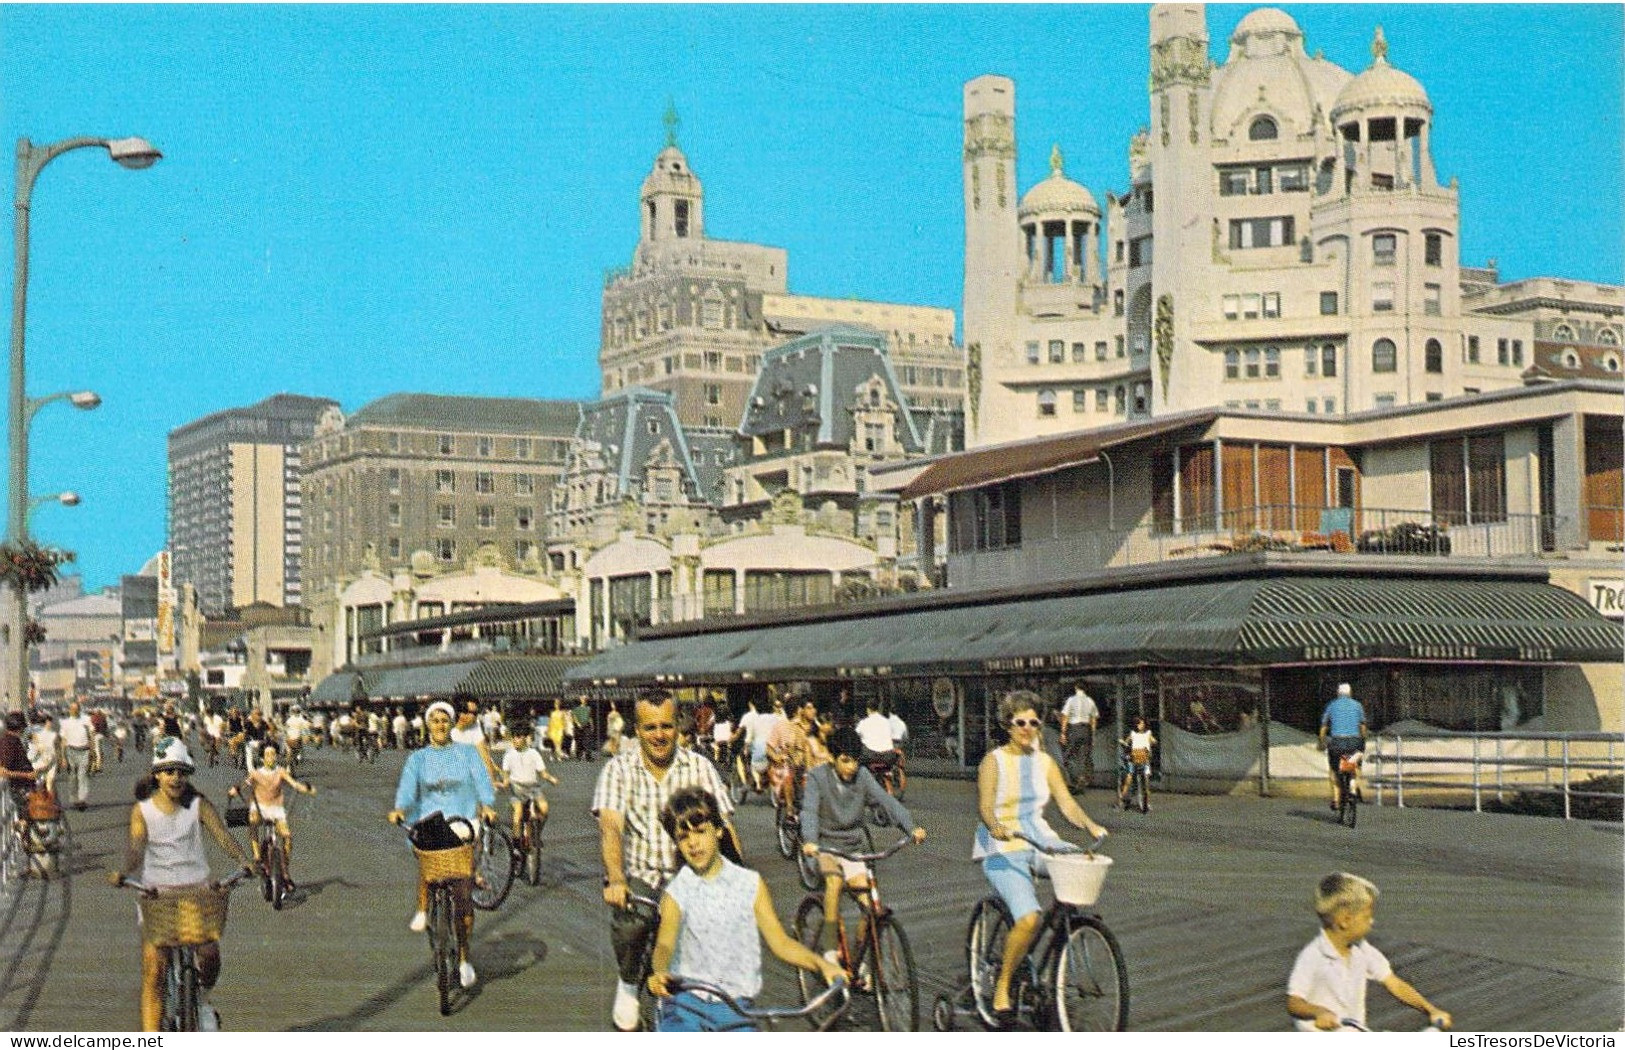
[(1285, 245)]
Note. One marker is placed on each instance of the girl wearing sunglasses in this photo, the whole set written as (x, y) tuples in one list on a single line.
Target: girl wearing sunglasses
[(1014, 785)]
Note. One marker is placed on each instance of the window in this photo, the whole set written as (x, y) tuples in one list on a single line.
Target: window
[(1610, 362), (483, 446), (1100, 350), (1140, 399), (394, 517), (1249, 306), (1046, 402), (1502, 355), (523, 550), (1434, 395), (1330, 406), (1032, 353), (1272, 362), (1233, 183), (1328, 304), (445, 550), (485, 516), (1384, 356), (447, 513), (1272, 304), (1251, 356), (713, 360), (1431, 300), (1262, 129), (713, 393), (524, 519), (1080, 400), (1117, 303), (1384, 246), (1382, 401), (393, 478), (1080, 353), (394, 441), (1262, 181), (1311, 406), (986, 519), (1311, 360), (1294, 179), (445, 481), (1232, 307), (1472, 349), (1261, 233), (1119, 345), (1433, 249), (485, 482), (1102, 399), (1139, 251), (1232, 364), (1517, 351), (521, 448), (1469, 479), (394, 547), (1057, 352), (1119, 252), (1328, 360), (524, 484), (1382, 296), (1120, 400), (1272, 405), (1607, 337), (1434, 356), (448, 445)]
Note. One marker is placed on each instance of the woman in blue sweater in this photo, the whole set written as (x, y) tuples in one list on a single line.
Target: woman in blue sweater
[(449, 778)]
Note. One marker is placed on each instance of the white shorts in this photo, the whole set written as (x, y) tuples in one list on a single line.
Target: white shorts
[(272, 813), (846, 869), (525, 792)]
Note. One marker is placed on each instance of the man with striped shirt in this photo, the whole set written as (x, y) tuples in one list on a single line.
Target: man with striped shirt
[(639, 857)]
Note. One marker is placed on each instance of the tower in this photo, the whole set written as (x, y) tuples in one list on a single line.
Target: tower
[(993, 261), (673, 199)]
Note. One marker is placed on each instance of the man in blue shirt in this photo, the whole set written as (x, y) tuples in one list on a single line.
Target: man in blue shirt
[(1342, 732)]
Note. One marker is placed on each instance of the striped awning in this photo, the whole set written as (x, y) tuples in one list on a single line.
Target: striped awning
[(491, 677), (1245, 621)]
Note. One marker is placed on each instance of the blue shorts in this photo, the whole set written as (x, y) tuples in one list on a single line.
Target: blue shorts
[(687, 1012), (1011, 875)]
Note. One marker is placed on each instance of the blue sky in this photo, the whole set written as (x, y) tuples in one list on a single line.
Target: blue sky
[(356, 201)]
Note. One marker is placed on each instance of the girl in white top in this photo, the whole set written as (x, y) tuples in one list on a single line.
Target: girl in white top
[(166, 848), (702, 913)]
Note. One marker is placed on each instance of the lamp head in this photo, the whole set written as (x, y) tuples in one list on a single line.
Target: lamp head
[(85, 399), (133, 152), (68, 499)]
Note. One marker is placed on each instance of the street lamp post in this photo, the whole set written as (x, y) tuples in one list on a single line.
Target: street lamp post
[(31, 160)]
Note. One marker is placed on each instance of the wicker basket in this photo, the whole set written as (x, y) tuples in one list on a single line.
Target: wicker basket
[(444, 865), (194, 916), (1078, 877)]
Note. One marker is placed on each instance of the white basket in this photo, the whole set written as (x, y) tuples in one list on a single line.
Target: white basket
[(1077, 877)]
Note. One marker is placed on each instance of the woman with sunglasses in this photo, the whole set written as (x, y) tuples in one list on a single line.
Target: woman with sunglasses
[(1014, 784)]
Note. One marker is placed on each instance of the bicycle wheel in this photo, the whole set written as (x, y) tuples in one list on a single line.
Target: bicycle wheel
[(1349, 807), (899, 781), (807, 871), (183, 971), (443, 943), (533, 853), (788, 827), (265, 869), (984, 952), (1091, 981), (493, 868), (808, 929), (273, 865), (738, 789), (896, 982), (1143, 780)]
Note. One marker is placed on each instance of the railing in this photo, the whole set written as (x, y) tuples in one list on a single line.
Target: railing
[(1495, 764), (11, 863)]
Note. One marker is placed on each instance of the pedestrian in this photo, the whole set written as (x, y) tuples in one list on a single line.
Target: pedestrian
[(1079, 718), (1328, 981), (614, 731), (639, 855), (1342, 732), (77, 735), (15, 768), (558, 725), (45, 752), (581, 739)]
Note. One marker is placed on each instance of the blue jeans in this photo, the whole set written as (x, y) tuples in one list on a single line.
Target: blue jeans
[(687, 1012)]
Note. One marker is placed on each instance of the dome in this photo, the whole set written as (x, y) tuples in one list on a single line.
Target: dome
[(1265, 20), (1057, 193), (1381, 87)]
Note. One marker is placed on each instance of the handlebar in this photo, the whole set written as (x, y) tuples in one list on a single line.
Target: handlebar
[(227, 883), (1349, 1024), (870, 858), (837, 990), (1067, 847)]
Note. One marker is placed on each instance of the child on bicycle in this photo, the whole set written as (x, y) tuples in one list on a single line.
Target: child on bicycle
[(1328, 979), (832, 816), (523, 770), (704, 908), (1138, 743), (267, 780)]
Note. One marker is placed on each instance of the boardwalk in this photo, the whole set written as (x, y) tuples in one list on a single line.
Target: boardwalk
[(1513, 923)]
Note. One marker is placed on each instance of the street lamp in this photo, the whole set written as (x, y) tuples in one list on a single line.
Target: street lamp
[(135, 153), (67, 499)]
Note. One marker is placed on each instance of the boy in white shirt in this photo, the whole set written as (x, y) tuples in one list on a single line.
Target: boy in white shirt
[(523, 771), (1328, 980)]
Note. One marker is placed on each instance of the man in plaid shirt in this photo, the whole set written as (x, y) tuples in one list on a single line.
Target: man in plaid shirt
[(639, 857)]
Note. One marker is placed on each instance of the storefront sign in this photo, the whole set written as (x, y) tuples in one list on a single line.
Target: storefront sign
[(1607, 597)]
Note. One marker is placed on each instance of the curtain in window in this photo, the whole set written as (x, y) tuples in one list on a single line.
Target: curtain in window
[(1239, 502), (1449, 482), (1274, 487), (1196, 487), (1486, 477)]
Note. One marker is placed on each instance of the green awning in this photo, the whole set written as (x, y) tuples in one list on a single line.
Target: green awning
[(1247, 621), (489, 678)]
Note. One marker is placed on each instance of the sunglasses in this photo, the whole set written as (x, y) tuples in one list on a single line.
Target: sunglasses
[(1025, 723)]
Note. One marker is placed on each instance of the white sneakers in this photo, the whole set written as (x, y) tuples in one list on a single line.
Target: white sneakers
[(625, 1011), (465, 974), (208, 1018), (419, 923)]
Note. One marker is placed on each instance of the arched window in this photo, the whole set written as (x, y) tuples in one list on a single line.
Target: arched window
[(1384, 356), (1563, 333), (1611, 362), (1570, 358), (1608, 337), (1046, 402), (1263, 129), (1435, 356)]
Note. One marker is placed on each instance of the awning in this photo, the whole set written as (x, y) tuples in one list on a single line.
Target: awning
[(489, 678), (1021, 459), (1248, 621)]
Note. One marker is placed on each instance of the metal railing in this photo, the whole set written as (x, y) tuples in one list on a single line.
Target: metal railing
[(11, 859), (1494, 764)]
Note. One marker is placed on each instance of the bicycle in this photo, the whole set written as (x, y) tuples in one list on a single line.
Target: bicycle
[(1079, 982), (211, 750), (1348, 799), (528, 847), (881, 963), (494, 865), (270, 864), (180, 923), (38, 839), (893, 779), (446, 872), (648, 908), (742, 784), (1138, 795), (770, 1016), (787, 817), (366, 748)]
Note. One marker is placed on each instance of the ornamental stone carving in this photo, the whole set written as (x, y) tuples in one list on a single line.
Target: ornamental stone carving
[(973, 379), (1181, 60), (1164, 334), (990, 135)]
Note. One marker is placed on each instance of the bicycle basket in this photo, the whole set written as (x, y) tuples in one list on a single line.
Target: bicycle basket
[(236, 813), (442, 865), (196, 916), (1077, 877), (1348, 764)]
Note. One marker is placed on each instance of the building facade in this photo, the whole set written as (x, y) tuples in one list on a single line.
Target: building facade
[(1285, 244), (235, 515)]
